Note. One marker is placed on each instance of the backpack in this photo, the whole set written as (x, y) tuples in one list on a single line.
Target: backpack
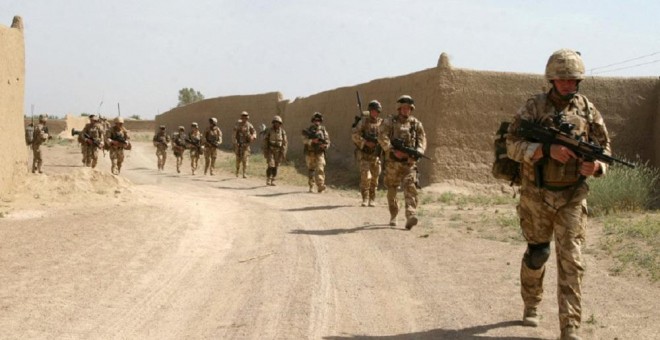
[(29, 134), (504, 167)]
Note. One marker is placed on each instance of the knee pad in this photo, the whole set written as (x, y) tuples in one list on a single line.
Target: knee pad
[(536, 255)]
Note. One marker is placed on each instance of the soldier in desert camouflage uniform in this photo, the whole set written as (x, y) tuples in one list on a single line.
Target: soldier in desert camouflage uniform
[(179, 146), (400, 168), (94, 140), (212, 141), (365, 137), (244, 134), (39, 136), (161, 141), (118, 140), (554, 192), (195, 145), (274, 147), (316, 140)]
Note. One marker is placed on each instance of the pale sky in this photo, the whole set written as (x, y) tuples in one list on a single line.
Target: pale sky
[(140, 53)]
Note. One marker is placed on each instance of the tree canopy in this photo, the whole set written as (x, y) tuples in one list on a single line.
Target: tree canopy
[(189, 96)]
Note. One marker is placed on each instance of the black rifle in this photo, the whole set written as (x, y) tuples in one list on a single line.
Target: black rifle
[(398, 144), (197, 144), (96, 142), (358, 118), (314, 134), (119, 139), (551, 135)]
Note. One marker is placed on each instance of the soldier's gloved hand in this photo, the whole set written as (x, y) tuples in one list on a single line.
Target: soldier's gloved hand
[(369, 144), (561, 153), (400, 154), (589, 168)]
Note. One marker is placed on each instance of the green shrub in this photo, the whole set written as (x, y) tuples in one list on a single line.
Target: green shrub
[(623, 189), (635, 242)]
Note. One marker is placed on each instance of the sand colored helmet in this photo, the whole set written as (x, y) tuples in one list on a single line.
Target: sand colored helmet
[(43, 118), (213, 121), (194, 124), (277, 119), (374, 105), (407, 100), (119, 120), (93, 118), (181, 128), (245, 114), (565, 64), (317, 116)]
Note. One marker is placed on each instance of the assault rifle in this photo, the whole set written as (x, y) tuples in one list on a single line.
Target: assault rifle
[(197, 144), (125, 144), (311, 134), (358, 118), (96, 142), (550, 135), (213, 143), (398, 144)]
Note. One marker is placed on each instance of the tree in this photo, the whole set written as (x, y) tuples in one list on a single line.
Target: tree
[(189, 96)]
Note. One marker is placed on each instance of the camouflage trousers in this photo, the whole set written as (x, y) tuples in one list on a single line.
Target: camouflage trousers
[(178, 154), (161, 154), (36, 158), (370, 168), (562, 213), (117, 159), (91, 155), (400, 174), (242, 157), (316, 170), (274, 156), (210, 153), (194, 159)]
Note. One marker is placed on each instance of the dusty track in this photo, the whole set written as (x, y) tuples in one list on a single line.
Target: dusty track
[(198, 257)]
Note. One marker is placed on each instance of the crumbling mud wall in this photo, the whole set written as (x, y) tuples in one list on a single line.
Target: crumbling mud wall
[(13, 151), (460, 109)]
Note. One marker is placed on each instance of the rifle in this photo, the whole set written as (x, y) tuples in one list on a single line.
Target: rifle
[(398, 144), (311, 134), (197, 144), (551, 135), (358, 118), (96, 142), (121, 140)]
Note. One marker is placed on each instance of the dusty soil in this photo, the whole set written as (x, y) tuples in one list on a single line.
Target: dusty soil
[(148, 255)]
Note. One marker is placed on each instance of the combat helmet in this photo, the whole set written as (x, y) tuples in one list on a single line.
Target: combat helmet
[(405, 99), (277, 119), (194, 124), (565, 64), (181, 127), (119, 120), (213, 121), (374, 105), (43, 118), (245, 114), (317, 115)]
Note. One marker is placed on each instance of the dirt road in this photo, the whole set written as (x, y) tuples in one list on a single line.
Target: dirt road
[(86, 255)]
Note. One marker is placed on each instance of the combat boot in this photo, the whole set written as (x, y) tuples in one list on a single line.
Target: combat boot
[(244, 175), (364, 202), (411, 222), (530, 317), (569, 333), (371, 202), (272, 181), (321, 188), (393, 220), (236, 172)]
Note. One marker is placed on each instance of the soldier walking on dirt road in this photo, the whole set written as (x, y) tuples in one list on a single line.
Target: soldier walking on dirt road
[(244, 134), (553, 197), (161, 141), (274, 148), (212, 141), (365, 137), (179, 146), (39, 136), (316, 140), (195, 145), (117, 140), (92, 136), (397, 134)]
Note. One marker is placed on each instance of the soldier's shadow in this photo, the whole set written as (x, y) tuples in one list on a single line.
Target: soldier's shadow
[(318, 207), (470, 333), (329, 232), (275, 194)]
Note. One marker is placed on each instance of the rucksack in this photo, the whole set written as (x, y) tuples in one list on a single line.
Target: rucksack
[(29, 134), (504, 167)]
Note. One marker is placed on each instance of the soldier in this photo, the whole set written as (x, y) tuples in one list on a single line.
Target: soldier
[(179, 146), (316, 140), (161, 141), (212, 141), (244, 134), (365, 137), (400, 167), (553, 189), (195, 144), (39, 136), (92, 135), (274, 148), (118, 140)]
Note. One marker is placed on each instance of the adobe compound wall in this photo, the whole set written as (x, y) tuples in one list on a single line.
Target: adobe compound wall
[(460, 110), (13, 152)]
